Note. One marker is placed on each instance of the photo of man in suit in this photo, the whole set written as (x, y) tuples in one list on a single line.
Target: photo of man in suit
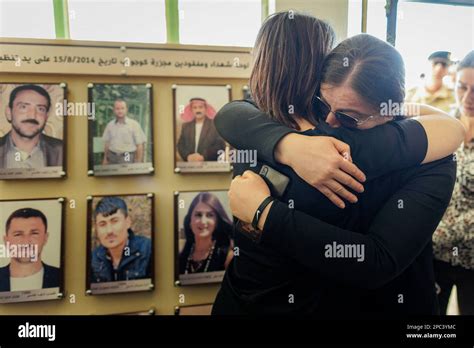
[(27, 229), (25, 145), (199, 140)]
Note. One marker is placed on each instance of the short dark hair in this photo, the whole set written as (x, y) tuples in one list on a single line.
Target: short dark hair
[(38, 89), (26, 213), (373, 68), (110, 205), (466, 62)]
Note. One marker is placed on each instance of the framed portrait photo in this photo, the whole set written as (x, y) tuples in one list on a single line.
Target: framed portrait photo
[(198, 146), (31, 250), (32, 130), (203, 237), (120, 243), (121, 131), (202, 309)]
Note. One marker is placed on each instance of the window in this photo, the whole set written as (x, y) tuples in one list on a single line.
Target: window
[(27, 19), (118, 20), (423, 28), (219, 22), (354, 20), (377, 19)]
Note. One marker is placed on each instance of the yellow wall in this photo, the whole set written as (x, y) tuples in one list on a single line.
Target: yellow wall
[(78, 186)]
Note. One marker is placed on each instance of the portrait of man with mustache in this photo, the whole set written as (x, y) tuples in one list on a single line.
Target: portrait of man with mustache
[(199, 140), (25, 145)]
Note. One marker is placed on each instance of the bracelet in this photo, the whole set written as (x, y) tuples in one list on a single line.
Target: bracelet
[(260, 210)]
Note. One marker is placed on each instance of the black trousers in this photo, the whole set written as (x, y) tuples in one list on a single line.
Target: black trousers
[(446, 277)]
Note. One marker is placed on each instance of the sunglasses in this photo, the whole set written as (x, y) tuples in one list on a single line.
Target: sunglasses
[(343, 118)]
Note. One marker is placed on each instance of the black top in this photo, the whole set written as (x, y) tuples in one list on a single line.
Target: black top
[(288, 271), (209, 142), (213, 264), (51, 276), (376, 151)]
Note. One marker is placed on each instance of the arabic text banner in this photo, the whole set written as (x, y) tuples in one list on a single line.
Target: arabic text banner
[(51, 58)]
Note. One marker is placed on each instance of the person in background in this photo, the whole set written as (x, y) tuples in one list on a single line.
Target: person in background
[(450, 79), (453, 241), (124, 138), (434, 92)]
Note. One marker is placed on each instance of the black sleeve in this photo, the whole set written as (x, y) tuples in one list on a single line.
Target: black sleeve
[(245, 127), (380, 150), (182, 146), (216, 144), (395, 238), (377, 151)]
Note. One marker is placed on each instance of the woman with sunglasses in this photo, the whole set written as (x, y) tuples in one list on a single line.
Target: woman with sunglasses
[(283, 266)]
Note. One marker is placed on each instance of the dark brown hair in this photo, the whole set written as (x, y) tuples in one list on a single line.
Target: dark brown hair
[(26, 213), (288, 57), (373, 68), (223, 226), (35, 88)]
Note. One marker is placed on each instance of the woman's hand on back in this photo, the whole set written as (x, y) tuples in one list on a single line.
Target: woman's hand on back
[(323, 162)]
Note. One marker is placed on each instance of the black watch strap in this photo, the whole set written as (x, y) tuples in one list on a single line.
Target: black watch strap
[(260, 210)]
